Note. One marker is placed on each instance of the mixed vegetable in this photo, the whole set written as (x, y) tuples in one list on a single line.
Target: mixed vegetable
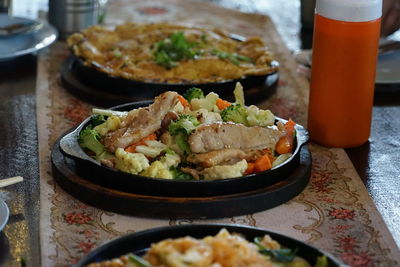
[(224, 249), (194, 136)]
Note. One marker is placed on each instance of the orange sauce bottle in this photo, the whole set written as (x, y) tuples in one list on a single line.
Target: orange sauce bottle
[(345, 47)]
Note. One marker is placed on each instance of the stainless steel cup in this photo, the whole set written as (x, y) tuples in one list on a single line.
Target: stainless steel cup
[(5, 6), (70, 16)]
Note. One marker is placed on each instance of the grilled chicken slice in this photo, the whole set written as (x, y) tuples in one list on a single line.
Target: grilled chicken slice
[(141, 122), (228, 156), (225, 135)]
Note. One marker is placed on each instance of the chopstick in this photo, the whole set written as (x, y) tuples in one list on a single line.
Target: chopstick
[(10, 181)]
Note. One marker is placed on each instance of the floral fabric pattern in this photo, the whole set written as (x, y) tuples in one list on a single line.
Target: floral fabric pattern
[(334, 212)]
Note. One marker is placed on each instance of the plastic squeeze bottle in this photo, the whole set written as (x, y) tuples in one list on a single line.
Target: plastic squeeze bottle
[(345, 48)]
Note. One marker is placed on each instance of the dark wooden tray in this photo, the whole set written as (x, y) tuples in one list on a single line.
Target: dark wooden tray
[(64, 172), (101, 89)]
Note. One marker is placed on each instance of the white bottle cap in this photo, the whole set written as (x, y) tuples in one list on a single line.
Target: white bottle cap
[(350, 10)]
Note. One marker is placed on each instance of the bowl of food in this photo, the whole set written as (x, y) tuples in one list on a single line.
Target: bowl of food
[(145, 60), (207, 245), (191, 145)]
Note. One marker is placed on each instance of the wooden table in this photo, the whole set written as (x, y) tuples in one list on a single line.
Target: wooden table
[(377, 162)]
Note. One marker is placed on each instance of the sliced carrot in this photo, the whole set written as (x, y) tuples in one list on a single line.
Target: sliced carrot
[(250, 168), (183, 101), (263, 163), (268, 152), (289, 126), (222, 104), (284, 144), (132, 148)]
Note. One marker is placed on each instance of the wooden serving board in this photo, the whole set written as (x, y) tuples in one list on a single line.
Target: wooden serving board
[(64, 172)]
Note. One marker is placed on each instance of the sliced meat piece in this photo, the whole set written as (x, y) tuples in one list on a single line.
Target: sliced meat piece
[(217, 157), (140, 123), (193, 172), (225, 135), (228, 156)]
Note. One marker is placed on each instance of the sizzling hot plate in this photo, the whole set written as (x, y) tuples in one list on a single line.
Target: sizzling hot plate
[(113, 178), (138, 243), (90, 83)]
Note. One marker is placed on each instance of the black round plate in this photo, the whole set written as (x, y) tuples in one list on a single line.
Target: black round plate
[(112, 178), (102, 89), (139, 242), (89, 191)]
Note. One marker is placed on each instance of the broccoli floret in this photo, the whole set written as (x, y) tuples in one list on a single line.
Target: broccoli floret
[(181, 141), (97, 119), (178, 174), (185, 124), (181, 129), (90, 139), (192, 93), (235, 113)]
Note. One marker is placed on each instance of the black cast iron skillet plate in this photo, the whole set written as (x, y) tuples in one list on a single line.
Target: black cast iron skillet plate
[(102, 89), (139, 242), (64, 171), (113, 178)]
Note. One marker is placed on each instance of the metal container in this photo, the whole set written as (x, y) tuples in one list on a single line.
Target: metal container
[(70, 16), (6, 6)]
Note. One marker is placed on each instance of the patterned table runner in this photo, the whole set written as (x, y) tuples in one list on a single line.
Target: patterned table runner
[(334, 212)]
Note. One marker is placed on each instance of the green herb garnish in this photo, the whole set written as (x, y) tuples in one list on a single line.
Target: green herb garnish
[(138, 261), (169, 52), (282, 254), (232, 57)]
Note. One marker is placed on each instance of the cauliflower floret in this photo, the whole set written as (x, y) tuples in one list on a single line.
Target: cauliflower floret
[(205, 116), (130, 162), (259, 117), (207, 103), (157, 170), (179, 109), (239, 94), (111, 124), (170, 159), (152, 148), (225, 171)]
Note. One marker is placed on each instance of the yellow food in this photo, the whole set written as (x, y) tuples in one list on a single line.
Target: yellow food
[(225, 171), (128, 52), (223, 250), (130, 162), (111, 124)]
